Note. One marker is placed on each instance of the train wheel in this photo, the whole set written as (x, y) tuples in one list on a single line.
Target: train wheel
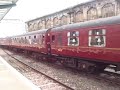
[(91, 69)]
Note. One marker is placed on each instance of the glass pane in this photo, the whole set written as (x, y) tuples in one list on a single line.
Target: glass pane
[(97, 41)]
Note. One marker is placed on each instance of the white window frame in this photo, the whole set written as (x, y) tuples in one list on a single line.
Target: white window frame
[(77, 37), (97, 36)]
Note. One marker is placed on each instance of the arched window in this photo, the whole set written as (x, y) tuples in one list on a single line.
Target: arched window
[(108, 10), (43, 24), (39, 25), (79, 16), (30, 27), (92, 13), (118, 9), (64, 20), (48, 23), (33, 26), (55, 21)]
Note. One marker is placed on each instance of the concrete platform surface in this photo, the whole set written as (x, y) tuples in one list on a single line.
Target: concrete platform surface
[(11, 79)]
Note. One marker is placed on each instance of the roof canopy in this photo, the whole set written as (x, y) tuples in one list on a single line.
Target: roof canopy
[(5, 6)]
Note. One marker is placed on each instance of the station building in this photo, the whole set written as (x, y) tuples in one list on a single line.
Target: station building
[(80, 13)]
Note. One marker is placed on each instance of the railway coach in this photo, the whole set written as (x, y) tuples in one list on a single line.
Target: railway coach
[(90, 45)]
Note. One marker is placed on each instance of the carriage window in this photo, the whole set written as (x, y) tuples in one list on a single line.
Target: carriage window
[(43, 39), (34, 37), (22, 40), (43, 36), (15, 39), (29, 37), (73, 38), (97, 38), (26, 40), (59, 39), (40, 39)]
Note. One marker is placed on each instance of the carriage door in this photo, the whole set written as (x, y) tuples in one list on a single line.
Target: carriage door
[(48, 42)]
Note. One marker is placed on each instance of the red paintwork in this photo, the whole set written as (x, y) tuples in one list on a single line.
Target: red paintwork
[(41, 48), (110, 53)]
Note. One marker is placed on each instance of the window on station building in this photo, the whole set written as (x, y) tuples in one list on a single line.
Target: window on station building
[(48, 23), (73, 38), (92, 14), (79, 16), (55, 21), (64, 20), (108, 10), (97, 38)]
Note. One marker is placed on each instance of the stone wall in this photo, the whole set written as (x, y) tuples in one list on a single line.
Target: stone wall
[(79, 13)]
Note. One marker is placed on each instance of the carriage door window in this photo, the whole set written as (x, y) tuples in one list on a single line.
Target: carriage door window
[(53, 38), (43, 39), (59, 39), (73, 38), (97, 38), (40, 39)]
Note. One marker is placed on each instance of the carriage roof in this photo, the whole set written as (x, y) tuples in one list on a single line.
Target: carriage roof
[(32, 33)]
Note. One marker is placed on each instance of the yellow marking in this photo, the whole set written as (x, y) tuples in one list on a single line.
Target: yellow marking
[(60, 49), (69, 48)]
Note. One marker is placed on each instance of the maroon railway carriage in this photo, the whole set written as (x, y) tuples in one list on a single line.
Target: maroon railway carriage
[(5, 41), (33, 41), (96, 41), (86, 45)]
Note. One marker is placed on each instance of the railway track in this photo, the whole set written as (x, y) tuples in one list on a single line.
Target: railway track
[(107, 77), (36, 70)]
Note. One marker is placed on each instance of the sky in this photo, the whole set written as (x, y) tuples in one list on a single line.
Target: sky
[(26, 10)]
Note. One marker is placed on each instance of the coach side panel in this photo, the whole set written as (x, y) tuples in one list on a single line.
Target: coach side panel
[(99, 44)]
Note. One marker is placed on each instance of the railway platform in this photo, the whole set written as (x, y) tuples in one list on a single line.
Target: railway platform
[(11, 79)]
